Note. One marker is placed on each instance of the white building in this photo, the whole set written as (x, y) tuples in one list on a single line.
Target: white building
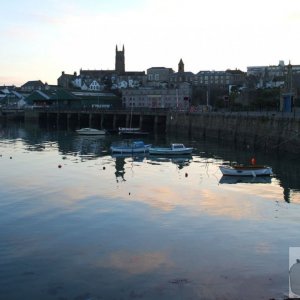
[(95, 86), (271, 76)]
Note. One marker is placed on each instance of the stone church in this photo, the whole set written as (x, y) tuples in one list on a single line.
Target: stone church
[(100, 80)]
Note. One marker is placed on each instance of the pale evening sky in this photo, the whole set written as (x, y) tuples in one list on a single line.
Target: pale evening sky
[(40, 39)]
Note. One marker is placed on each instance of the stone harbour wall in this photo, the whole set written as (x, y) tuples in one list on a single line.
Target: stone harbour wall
[(268, 132)]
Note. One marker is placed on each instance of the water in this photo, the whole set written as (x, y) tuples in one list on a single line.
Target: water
[(77, 223)]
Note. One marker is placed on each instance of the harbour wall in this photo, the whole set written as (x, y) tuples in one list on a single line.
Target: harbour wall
[(269, 132)]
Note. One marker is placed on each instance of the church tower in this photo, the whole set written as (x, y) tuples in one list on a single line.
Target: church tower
[(180, 66), (120, 61)]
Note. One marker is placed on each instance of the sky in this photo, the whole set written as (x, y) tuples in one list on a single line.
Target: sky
[(40, 39)]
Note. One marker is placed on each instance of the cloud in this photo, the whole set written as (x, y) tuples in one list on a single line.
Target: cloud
[(44, 18), (20, 34), (207, 35)]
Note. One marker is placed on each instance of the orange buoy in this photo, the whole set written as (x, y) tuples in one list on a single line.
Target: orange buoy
[(253, 161)]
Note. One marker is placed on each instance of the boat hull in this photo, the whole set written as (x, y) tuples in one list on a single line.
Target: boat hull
[(246, 171), (134, 147), (169, 151), (129, 150), (131, 131), (125, 129), (90, 131)]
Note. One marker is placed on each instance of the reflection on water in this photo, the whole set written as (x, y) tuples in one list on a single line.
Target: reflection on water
[(92, 146), (120, 169), (245, 179), (180, 161), (140, 227)]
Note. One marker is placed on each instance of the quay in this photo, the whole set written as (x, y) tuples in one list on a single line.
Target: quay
[(267, 131), (150, 120)]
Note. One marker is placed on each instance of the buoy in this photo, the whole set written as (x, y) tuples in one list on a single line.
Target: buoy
[(253, 161)]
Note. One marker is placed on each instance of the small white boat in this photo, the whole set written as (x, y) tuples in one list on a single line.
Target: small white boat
[(91, 131), (241, 170), (174, 149), (134, 147)]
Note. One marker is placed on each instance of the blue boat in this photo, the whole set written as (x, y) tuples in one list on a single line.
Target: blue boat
[(133, 147), (174, 149)]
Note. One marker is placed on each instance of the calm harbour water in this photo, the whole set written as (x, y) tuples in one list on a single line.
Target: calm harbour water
[(106, 227)]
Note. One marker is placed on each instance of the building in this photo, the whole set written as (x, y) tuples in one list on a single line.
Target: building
[(220, 79), (65, 80), (159, 76), (166, 98), (48, 98), (104, 80), (120, 61), (271, 76), (181, 76), (9, 97), (30, 86), (65, 99)]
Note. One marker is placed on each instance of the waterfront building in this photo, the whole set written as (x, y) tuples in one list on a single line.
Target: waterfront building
[(166, 98), (9, 96), (66, 99)]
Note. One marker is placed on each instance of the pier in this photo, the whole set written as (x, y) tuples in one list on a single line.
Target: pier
[(267, 131), (150, 120)]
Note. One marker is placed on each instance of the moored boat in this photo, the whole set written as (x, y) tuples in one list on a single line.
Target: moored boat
[(133, 147), (174, 149), (131, 131), (241, 170), (91, 131)]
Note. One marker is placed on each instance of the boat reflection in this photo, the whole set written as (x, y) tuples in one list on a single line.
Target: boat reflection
[(122, 159), (88, 146), (245, 179), (120, 168), (134, 157), (181, 161)]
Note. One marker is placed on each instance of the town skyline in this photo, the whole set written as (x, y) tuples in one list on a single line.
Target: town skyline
[(40, 40)]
